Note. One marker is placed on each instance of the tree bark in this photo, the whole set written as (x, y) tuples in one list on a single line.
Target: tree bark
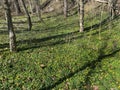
[(78, 5), (65, 8), (73, 2), (112, 7), (81, 15), (18, 10), (12, 37), (32, 6), (28, 16), (38, 9)]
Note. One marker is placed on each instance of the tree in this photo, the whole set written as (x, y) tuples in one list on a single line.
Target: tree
[(12, 37), (38, 9), (65, 8), (78, 5), (73, 2), (17, 7), (112, 7), (28, 16), (81, 12), (32, 6)]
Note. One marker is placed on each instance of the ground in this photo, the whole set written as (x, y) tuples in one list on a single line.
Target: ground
[(54, 55)]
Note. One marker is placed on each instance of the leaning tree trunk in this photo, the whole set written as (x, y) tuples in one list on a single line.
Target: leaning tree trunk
[(81, 15), (18, 10), (65, 8), (28, 16), (12, 37)]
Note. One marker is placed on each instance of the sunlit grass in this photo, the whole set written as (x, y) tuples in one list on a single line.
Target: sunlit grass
[(54, 55)]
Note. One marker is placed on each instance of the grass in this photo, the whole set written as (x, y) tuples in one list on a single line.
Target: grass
[(54, 55)]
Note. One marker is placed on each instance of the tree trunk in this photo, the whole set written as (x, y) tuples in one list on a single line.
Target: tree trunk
[(65, 8), (112, 7), (18, 10), (73, 2), (31, 4), (38, 9), (78, 5), (12, 37), (81, 15), (28, 16)]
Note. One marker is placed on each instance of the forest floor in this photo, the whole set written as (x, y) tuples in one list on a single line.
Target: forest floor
[(54, 55)]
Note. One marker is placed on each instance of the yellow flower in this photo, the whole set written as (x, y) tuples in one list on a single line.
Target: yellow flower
[(119, 86)]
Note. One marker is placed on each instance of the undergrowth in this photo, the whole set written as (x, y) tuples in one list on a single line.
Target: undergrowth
[(54, 55)]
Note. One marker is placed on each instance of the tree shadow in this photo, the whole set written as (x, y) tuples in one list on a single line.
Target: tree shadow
[(95, 26), (36, 43), (5, 32), (87, 85), (2, 46), (103, 22), (58, 27), (73, 36), (92, 65), (39, 41), (61, 26)]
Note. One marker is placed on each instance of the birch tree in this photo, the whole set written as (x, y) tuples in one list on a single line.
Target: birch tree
[(12, 37), (81, 13), (65, 8)]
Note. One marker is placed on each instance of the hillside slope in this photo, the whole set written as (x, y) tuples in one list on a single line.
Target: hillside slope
[(55, 56)]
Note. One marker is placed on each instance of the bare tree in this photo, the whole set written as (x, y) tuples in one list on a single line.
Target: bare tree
[(28, 16), (65, 8), (73, 2), (81, 12), (38, 9), (17, 7), (12, 37), (78, 5), (113, 4), (32, 6)]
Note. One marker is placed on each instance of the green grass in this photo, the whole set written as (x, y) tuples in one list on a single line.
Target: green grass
[(54, 55)]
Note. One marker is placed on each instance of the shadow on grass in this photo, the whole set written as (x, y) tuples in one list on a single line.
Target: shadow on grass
[(92, 65), (58, 39), (39, 43), (54, 28), (57, 27), (95, 26), (4, 45), (61, 38), (4, 31)]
